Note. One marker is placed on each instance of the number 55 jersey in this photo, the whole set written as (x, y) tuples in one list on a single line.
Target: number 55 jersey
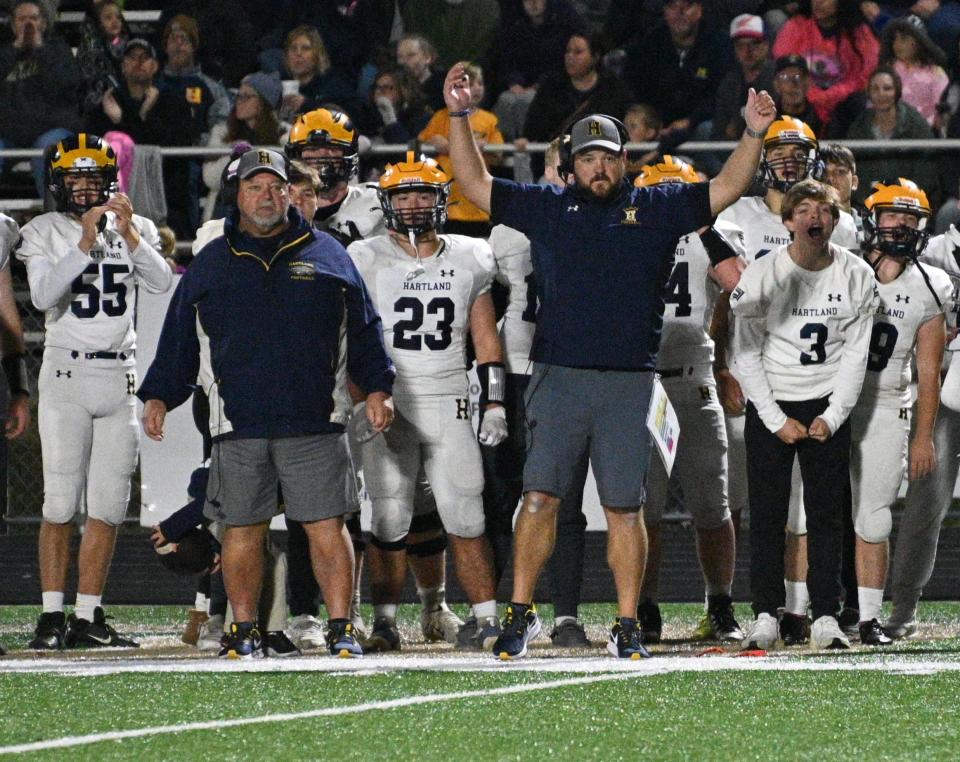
[(90, 299), (425, 308)]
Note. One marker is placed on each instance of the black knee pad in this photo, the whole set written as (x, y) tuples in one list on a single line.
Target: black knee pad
[(428, 547), (395, 546)]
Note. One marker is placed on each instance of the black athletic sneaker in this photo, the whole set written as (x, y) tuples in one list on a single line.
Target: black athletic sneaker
[(383, 637), (872, 634), (82, 633), (48, 635), (651, 623), (723, 621), (794, 630), (569, 634), (849, 621), (626, 641), (277, 645), (242, 642)]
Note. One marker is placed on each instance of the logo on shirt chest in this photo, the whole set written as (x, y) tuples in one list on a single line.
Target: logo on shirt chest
[(630, 216), (113, 248), (302, 271)]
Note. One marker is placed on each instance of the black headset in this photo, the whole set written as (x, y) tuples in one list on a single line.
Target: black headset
[(565, 163)]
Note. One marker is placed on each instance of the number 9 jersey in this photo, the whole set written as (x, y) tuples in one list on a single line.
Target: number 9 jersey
[(425, 308), (90, 299)]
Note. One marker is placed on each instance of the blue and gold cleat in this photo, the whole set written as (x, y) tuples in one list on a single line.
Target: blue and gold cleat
[(626, 641), (520, 625)]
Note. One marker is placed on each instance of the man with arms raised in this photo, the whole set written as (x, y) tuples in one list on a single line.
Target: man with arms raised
[(602, 252)]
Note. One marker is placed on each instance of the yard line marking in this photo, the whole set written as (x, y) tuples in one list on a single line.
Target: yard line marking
[(118, 735)]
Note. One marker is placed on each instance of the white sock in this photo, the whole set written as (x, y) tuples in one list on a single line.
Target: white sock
[(485, 609), (871, 602), (200, 602), (713, 589), (797, 600), (85, 605), (432, 597), (52, 602), (389, 610)]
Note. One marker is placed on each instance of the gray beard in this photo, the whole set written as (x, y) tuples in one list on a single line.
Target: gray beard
[(266, 224)]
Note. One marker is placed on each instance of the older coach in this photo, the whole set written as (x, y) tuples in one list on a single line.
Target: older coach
[(602, 252), (258, 319)]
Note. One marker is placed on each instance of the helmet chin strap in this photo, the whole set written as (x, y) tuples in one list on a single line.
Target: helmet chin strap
[(419, 269)]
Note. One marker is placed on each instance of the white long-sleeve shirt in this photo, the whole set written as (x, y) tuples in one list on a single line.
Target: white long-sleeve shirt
[(802, 334), (90, 299)]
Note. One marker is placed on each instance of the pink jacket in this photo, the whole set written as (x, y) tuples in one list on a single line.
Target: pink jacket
[(836, 70)]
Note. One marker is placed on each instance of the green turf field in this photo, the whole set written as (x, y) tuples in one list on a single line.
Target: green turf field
[(165, 702)]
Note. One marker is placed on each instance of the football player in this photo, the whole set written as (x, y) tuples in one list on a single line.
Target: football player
[(327, 141), (430, 290), (929, 498), (790, 154), (685, 366), (802, 335), (85, 262), (910, 323)]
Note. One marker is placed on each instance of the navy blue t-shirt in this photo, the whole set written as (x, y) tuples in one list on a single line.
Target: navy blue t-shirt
[(600, 266)]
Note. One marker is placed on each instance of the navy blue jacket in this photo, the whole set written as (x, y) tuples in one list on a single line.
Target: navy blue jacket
[(258, 322), (600, 266)]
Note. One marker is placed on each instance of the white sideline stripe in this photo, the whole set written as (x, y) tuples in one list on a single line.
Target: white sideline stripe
[(582, 665), (119, 735)]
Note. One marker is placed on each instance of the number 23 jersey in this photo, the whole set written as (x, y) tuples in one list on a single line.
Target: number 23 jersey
[(426, 314), (90, 300)]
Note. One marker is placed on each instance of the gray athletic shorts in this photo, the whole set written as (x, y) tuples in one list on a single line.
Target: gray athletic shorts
[(570, 411), (314, 472)]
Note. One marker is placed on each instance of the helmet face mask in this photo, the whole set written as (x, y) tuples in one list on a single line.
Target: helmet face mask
[(330, 130), (901, 240), (414, 176), (782, 169), (83, 173)]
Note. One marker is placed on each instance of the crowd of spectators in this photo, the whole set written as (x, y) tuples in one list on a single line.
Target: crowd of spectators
[(220, 72)]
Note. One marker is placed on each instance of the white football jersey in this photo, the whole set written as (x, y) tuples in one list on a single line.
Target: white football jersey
[(359, 215), (511, 249), (688, 298), (9, 235), (764, 231), (90, 299), (801, 322), (905, 304), (425, 307), (943, 251)]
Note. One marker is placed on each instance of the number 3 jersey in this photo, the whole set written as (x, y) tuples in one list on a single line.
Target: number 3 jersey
[(425, 308), (90, 299), (905, 304), (803, 334)]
